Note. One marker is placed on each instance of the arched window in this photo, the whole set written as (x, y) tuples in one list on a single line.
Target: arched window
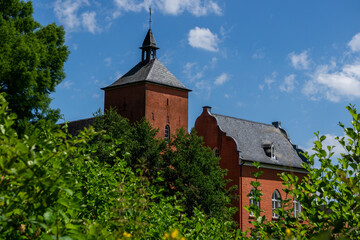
[(297, 208), (167, 132), (253, 200), (276, 203)]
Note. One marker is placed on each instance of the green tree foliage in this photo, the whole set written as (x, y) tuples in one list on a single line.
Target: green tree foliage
[(193, 171), (134, 142), (329, 194), (53, 187), (189, 169), (31, 61)]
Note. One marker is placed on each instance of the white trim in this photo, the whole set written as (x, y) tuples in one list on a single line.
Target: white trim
[(275, 203), (297, 207)]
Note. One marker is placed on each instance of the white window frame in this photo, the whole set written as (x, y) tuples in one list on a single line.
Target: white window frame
[(252, 201), (276, 203), (273, 152), (297, 208)]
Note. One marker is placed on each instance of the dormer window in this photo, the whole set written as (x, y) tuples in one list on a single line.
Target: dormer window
[(270, 150)]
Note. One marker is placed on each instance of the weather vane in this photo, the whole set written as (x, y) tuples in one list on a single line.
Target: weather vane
[(150, 19)]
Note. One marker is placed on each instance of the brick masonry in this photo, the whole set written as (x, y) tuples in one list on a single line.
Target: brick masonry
[(206, 126), (160, 105)]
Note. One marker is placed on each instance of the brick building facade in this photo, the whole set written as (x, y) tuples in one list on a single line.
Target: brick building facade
[(239, 143)]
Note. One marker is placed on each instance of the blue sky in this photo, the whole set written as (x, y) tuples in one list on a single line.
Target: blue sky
[(297, 62)]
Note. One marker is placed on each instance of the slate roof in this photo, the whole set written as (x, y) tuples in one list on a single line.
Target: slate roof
[(74, 127), (153, 71), (149, 41), (250, 138)]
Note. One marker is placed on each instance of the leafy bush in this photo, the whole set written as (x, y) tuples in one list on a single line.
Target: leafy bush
[(329, 195), (54, 187)]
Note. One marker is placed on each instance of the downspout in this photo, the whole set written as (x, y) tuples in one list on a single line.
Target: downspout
[(241, 192)]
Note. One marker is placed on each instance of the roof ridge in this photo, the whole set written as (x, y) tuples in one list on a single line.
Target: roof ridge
[(242, 119), (150, 69)]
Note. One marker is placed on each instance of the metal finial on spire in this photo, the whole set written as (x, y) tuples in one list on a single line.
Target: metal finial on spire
[(150, 19)]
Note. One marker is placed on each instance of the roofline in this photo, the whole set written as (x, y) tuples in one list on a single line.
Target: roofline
[(242, 119), (79, 120), (273, 166), (145, 81)]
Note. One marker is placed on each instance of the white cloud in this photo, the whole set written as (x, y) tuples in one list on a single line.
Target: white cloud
[(354, 44), (130, 6), (89, 22), (203, 38), (334, 84), (66, 11), (269, 80), (203, 86), (289, 84), (299, 61), (192, 71), (195, 7), (259, 53), (172, 7), (66, 84), (220, 80)]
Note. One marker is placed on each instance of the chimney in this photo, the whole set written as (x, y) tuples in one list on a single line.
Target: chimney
[(276, 124), (207, 109)]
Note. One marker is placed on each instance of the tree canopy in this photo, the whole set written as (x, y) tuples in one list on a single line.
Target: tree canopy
[(189, 169), (31, 61)]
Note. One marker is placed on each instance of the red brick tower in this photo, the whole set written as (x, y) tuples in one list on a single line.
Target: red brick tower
[(149, 90)]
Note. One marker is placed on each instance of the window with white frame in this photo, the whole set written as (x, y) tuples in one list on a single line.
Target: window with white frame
[(276, 203), (297, 208), (273, 152), (253, 200), (270, 150)]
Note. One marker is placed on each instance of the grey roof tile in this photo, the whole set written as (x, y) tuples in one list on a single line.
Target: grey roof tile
[(153, 71), (149, 40), (250, 138)]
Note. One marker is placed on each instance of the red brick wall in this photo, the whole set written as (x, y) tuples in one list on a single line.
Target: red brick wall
[(128, 100), (166, 106), (159, 105), (270, 181), (206, 126)]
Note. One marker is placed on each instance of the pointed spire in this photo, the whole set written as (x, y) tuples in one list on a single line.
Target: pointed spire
[(149, 45), (149, 41)]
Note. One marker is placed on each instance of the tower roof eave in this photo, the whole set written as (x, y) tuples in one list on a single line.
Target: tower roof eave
[(153, 72)]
